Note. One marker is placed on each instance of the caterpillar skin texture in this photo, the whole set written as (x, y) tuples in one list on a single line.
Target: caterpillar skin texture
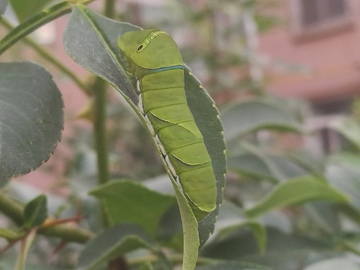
[(153, 58)]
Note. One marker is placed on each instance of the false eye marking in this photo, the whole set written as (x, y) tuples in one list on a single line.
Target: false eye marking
[(148, 39)]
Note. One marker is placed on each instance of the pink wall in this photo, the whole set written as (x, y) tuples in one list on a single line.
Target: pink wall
[(332, 57)]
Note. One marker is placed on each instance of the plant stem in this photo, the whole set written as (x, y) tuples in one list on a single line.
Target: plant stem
[(10, 235), (101, 144), (109, 8), (99, 91), (26, 244), (67, 232), (12, 209), (34, 23), (49, 57)]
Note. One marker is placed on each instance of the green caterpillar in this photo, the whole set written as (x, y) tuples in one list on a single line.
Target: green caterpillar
[(153, 59)]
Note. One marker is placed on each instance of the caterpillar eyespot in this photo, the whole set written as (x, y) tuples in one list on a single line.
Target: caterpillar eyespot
[(157, 65)]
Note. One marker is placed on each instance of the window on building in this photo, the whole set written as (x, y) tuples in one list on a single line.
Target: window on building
[(321, 11), (317, 16)]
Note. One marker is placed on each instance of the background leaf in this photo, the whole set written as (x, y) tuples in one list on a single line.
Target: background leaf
[(31, 118), (35, 212), (349, 128), (295, 191), (334, 264), (3, 4), (113, 242), (231, 218), (249, 116), (255, 162), (233, 266), (343, 173), (26, 9), (130, 202), (283, 250)]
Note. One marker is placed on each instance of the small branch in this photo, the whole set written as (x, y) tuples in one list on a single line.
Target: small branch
[(10, 235), (26, 244), (67, 232), (12, 209), (109, 10), (34, 23), (101, 142)]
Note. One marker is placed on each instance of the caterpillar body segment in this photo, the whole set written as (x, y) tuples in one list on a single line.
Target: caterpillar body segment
[(152, 57)]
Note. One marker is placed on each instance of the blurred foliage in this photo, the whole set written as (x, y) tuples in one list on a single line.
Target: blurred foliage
[(318, 229)]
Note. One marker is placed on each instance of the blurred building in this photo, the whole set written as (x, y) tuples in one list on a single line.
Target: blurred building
[(321, 38)]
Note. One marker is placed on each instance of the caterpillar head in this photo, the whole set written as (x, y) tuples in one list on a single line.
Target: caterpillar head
[(150, 49)]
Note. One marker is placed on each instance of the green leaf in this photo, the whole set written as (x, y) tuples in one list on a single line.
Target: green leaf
[(35, 212), (343, 172), (31, 118), (231, 218), (334, 264), (207, 119), (3, 4), (100, 35), (170, 231), (349, 128), (144, 266), (10, 235), (297, 191), (128, 201), (249, 116), (113, 242), (250, 165), (350, 243), (232, 266), (283, 249), (325, 215), (35, 22), (255, 162), (26, 9)]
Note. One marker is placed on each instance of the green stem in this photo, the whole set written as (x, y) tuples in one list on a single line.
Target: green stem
[(101, 143), (68, 233), (14, 211), (26, 244), (174, 258), (34, 23), (109, 10), (10, 235), (99, 91), (49, 57)]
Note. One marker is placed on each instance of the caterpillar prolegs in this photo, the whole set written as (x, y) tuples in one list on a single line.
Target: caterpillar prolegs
[(153, 59)]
